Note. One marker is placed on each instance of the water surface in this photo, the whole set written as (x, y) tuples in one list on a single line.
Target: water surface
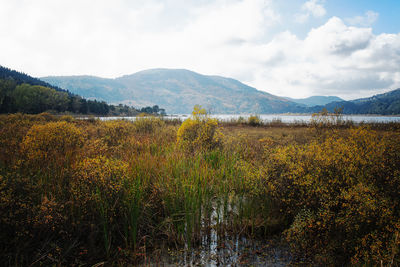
[(281, 117)]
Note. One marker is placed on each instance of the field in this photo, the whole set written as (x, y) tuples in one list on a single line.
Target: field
[(85, 192)]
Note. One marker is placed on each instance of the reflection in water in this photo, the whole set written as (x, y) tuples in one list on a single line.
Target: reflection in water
[(219, 247), (229, 252)]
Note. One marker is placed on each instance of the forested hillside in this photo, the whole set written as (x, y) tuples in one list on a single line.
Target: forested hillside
[(177, 90), (383, 104), (20, 92), (20, 77)]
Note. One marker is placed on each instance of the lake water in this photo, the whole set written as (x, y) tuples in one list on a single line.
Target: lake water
[(221, 247), (282, 117)]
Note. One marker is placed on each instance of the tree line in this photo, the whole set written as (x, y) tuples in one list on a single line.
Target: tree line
[(22, 93)]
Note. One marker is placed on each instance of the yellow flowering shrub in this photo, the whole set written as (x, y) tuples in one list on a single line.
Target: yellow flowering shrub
[(51, 145), (116, 131), (79, 192), (346, 186), (49, 215), (97, 192), (147, 124), (254, 120), (97, 179), (13, 129), (199, 132)]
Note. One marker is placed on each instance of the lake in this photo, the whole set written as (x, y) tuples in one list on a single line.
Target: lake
[(282, 117)]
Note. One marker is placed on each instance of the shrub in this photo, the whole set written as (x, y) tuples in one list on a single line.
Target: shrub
[(346, 183), (254, 120), (148, 124), (199, 131), (67, 118), (13, 129), (97, 179), (97, 193), (324, 119), (51, 145), (116, 131)]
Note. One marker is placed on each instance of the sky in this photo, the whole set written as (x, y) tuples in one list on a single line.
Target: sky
[(294, 48)]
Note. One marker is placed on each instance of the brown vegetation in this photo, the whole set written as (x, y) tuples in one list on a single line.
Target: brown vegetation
[(76, 192)]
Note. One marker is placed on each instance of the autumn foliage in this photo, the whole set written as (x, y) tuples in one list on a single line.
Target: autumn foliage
[(80, 192), (199, 131)]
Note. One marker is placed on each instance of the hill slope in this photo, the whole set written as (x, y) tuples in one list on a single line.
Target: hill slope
[(177, 91), (383, 104), (20, 92), (20, 78)]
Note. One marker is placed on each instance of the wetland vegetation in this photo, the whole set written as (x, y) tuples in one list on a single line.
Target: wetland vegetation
[(84, 192)]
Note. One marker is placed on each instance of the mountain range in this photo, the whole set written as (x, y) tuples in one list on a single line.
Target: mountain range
[(178, 90), (315, 100), (382, 104)]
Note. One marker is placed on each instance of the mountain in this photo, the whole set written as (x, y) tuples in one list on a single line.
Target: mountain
[(89, 86), (315, 100), (383, 104), (177, 90)]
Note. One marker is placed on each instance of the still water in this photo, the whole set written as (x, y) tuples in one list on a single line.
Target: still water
[(221, 247), (282, 117)]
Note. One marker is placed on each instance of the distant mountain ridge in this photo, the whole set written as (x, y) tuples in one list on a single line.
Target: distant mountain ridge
[(383, 104), (177, 90), (315, 100)]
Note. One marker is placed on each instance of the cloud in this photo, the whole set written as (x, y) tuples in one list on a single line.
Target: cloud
[(365, 21), (337, 38), (313, 8), (111, 38), (233, 38), (333, 59)]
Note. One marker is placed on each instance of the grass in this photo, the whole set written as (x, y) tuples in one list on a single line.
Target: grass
[(80, 192)]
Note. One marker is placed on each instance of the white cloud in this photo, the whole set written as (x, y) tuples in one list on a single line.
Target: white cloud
[(224, 37), (367, 20), (334, 59), (110, 38), (313, 8), (336, 38)]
